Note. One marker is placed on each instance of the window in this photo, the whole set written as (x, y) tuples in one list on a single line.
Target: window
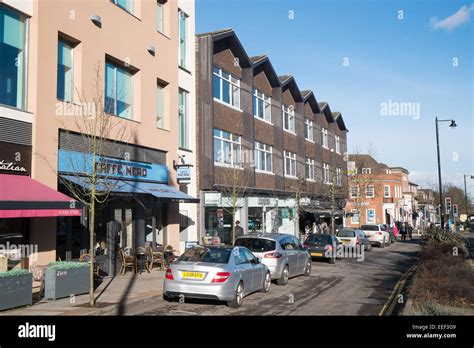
[(227, 148), (118, 90), (290, 163), (261, 106), (355, 216), (127, 5), (160, 16), (309, 169), (263, 157), (288, 118), (369, 191), (183, 135), (326, 173), (388, 171), (160, 105), (324, 137), (386, 191), (183, 38), (354, 192), (64, 87), (12, 58), (338, 176), (226, 88), (338, 144), (308, 129), (370, 216), (366, 171)]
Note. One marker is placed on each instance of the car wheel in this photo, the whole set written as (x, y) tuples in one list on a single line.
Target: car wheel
[(307, 269), (238, 297), (167, 298), (382, 245), (283, 280), (267, 281)]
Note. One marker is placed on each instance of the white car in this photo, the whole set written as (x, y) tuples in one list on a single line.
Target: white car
[(377, 235)]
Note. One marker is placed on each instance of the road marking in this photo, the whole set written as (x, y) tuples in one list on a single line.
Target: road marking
[(177, 311), (390, 304)]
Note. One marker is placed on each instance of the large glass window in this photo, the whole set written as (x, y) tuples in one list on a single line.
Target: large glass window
[(127, 5), (338, 144), (288, 118), (262, 106), (310, 169), (226, 88), (118, 90), (338, 176), (160, 105), (324, 137), (369, 191), (326, 173), (354, 191), (183, 38), (160, 15), (227, 148), (65, 71), (12, 58), (290, 163), (183, 119), (386, 191), (308, 129), (263, 157)]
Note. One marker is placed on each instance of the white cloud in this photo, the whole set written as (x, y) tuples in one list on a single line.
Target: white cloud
[(455, 20)]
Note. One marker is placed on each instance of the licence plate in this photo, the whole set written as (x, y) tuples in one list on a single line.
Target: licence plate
[(316, 254), (345, 241), (192, 275)]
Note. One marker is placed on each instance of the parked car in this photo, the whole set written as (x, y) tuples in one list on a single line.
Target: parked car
[(364, 240), (283, 254), (221, 273), (353, 238), (377, 235), (318, 246)]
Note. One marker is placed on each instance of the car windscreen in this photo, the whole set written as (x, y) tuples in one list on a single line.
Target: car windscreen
[(210, 255), (346, 233), (319, 238), (256, 245), (369, 228)]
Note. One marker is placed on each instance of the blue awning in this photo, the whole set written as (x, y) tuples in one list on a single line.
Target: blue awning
[(161, 191)]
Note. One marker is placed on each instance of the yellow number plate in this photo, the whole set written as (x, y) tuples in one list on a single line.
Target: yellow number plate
[(316, 254), (192, 275), (345, 241)]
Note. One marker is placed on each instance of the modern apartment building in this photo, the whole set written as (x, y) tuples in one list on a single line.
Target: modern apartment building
[(265, 146), (64, 61)]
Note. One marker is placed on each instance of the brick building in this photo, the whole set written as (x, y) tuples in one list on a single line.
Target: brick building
[(261, 135)]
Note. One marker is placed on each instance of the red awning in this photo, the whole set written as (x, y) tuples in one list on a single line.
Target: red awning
[(22, 197)]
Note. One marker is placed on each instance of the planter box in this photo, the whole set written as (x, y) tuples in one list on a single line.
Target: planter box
[(16, 291), (66, 282)]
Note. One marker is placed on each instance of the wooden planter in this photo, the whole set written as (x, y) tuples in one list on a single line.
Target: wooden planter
[(16, 291), (66, 282)]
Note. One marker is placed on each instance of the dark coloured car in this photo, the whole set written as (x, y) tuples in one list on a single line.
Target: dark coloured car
[(322, 246), (364, 240)]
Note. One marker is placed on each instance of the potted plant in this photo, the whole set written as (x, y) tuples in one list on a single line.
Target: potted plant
[(66, 278), (16, 288)]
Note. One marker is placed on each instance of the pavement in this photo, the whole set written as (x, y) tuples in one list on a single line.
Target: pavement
[(113, 297)]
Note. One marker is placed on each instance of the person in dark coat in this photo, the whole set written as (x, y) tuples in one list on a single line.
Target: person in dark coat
[(239, 231), (410, 231), (403, 231)]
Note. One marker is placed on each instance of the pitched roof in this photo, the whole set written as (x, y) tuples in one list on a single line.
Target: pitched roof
[(255, 59), (216, 32), (263, 63), (289, 80)]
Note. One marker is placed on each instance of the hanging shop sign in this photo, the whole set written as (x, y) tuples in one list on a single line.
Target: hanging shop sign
[(15, 159), (82, 163), (183, 173)]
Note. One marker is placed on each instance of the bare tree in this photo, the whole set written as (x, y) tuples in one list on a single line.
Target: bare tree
[(299, 189)]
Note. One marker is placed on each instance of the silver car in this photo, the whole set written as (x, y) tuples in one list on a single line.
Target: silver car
[(282, 253), (221, 273)]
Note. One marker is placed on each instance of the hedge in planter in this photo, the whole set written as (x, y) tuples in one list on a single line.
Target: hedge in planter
[(63, 279), (16, 289)]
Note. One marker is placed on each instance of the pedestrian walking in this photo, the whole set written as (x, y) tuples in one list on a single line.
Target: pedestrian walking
[(395, 231), (403, 232), (239, 231), (410, 231)]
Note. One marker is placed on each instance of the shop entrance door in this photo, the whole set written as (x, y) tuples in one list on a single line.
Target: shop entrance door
[(124, 218)]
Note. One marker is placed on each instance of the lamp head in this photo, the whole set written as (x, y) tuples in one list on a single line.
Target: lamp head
[(453, 124)]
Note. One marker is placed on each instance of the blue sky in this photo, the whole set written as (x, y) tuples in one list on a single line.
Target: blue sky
[(403, 57)]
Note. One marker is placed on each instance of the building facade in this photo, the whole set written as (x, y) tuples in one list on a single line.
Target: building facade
[(132, 61), (260, 142)]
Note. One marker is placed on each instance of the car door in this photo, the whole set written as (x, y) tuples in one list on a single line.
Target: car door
[(301, 255), (288, 245), (257, 270), (244, 267)]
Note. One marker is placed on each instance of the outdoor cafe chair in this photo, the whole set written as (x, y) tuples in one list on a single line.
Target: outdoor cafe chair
[(126, 262)]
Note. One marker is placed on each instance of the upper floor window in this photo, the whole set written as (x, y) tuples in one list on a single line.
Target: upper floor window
[(64, 86), (263, 157), (324, 138), (369, 191), (227, 148), (388, 171), (183, 39), (326, 173), (160, 104), (290, 163), (309, 169), (160, 16), (338, 176), (288, 118), (226, 88), (183, 136), (118, 90), (12, 58), (355, 216), (127, 5), (338, 143), (354, 191), (386, 191), (308, 129), (262, 106), (366, 171)]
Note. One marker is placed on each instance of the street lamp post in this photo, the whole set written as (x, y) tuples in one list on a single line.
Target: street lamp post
[(465, 192), (452, 125)]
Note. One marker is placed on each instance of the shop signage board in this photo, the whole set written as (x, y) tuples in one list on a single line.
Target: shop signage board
[(81, 164), (212, 198), (15, 159), (183, 173)]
